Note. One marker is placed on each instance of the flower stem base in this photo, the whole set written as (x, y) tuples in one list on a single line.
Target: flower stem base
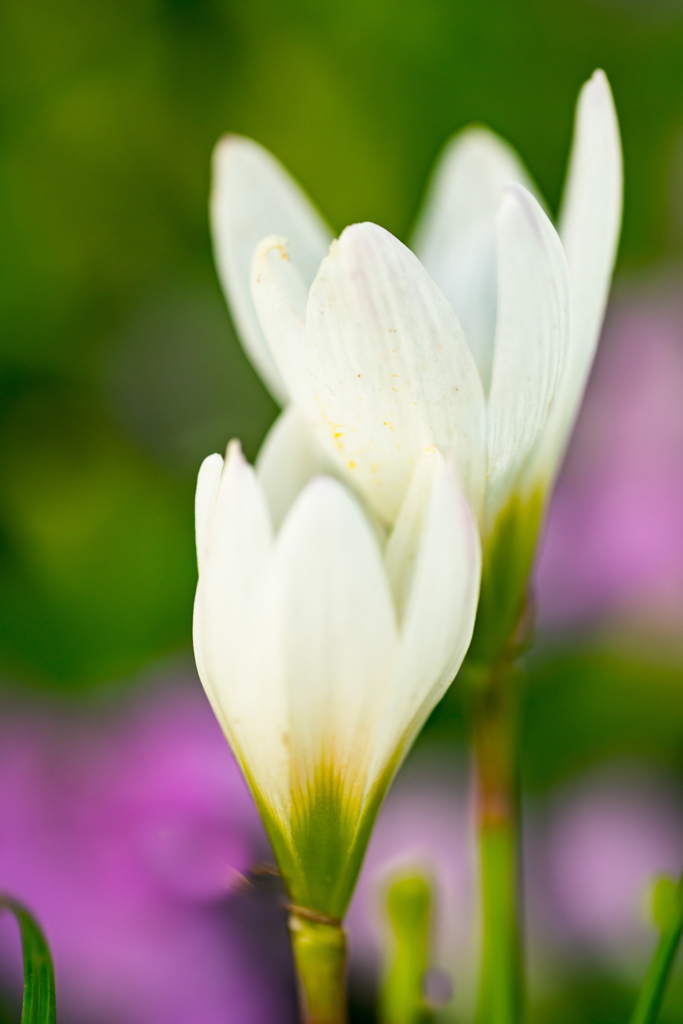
[(319, 947), (501, 991)]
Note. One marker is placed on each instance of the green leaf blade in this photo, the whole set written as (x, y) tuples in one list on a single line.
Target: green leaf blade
[(39, 1006)]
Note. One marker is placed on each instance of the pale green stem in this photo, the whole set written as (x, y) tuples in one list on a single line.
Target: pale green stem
[(319, 947), (501, 988), (658, 973)]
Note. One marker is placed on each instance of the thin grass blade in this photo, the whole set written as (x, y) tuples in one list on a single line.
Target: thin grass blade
[(39, 977)]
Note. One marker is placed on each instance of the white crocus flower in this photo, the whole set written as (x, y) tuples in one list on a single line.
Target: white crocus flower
[(323, 651), (482, 346)]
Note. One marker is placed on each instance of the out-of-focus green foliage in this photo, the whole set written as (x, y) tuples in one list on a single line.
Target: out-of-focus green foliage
[(582, 706), (118, 367)]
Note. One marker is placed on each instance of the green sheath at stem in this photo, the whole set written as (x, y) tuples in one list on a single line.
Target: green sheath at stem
[(319, 946), (501, 990), (657, 977)]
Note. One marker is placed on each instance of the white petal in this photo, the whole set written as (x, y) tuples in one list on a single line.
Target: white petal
[(455, 236), (205, 499), (227, 624), (403, 545), (299, 447), (532, 335), (589, 227), (253, 196), (279, 297), (385, 370), (208, 482), (336, 631), (440, 614), (289, 457)]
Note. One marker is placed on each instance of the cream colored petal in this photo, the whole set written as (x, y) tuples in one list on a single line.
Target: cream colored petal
[(279, 297), (455, 236), (335, 632), (402, 547), (385, 371), (228, 629), (208, 482), (253, 196), (590, 222), (298, 447), (439, 615), (289, 457), (532, 335)]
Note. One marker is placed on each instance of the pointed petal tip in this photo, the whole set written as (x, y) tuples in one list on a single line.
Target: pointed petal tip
[(365, 242), (231, 144), (234, 454), (211, 464), (597, 91), (521, 194), (516, 200), (479, 149), (227, 150), (322, 489), (208, 480), (208, 483), (357, 243), (322, 500), (362, 229), (477, 137), (598, 80), (513, 195)]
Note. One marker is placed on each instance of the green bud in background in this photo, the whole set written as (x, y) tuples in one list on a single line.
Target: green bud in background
[(409, 908), (665, 901)]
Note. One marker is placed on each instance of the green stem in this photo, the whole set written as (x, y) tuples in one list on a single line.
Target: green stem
[(319, 947), (501, 987), (658, 973)]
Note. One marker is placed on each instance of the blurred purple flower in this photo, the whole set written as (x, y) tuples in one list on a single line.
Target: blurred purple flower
[(602, 842), (128, 836), (614, 543)]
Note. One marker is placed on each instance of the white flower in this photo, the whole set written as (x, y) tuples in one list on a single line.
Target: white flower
[(323, 651), (483, 348)]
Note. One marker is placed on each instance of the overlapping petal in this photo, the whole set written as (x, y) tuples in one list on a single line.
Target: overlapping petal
[(226, 624), (384, 370), (336, 632), (375, 333), (590, 221), (289, 457), (403, 544), (253, 196), (318, 674), (208, 483), (532, 336), (455, 236), (323, 649), (439, 613)]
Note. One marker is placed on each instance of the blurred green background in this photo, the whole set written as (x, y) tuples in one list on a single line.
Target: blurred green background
[(119, 369)]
